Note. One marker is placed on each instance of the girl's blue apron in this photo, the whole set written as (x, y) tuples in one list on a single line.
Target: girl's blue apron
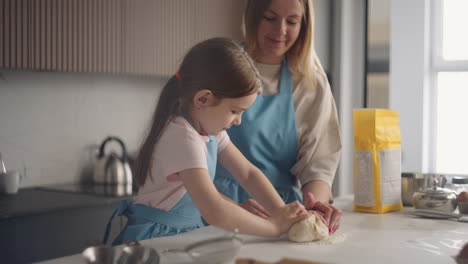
[(267, 137), (145, 222)]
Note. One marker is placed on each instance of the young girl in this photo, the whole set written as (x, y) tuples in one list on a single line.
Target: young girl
[(175, 168)]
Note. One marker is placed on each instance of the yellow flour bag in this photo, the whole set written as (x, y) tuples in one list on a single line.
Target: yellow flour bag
[(377, 161)]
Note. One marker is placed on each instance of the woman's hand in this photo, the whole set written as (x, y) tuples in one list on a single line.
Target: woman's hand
[(331, 214), (318, 215), (255, 208), (288, 215)]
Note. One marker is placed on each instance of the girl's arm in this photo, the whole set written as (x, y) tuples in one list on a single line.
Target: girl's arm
[(250, 205), (227, 215), (251, 178)]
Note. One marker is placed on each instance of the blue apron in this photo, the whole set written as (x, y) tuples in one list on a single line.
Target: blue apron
[(145, 222), (267, 137)]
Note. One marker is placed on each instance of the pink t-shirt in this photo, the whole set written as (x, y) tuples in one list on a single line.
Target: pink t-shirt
[(180, 147)]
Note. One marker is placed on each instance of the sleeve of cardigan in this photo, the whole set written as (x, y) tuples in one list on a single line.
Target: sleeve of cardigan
[(319, 137)]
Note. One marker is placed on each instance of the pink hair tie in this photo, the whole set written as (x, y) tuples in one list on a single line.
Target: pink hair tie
[(177, 75)]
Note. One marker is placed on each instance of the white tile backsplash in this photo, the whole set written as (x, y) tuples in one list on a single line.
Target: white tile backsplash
[(51, 123)]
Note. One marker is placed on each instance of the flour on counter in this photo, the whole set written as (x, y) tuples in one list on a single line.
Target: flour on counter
[(332, 239)]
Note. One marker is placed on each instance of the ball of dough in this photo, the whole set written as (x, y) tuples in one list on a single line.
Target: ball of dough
[(307, 230)]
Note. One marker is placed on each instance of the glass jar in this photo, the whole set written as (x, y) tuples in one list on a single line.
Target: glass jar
[(460, 184)]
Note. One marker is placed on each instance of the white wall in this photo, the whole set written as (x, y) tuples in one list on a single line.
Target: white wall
[(50, 123), (323, 32), (410, 91), (347, 80)]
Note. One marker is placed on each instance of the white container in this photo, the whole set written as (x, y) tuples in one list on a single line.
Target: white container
[(2, 165), (458, 183), (9, 182)]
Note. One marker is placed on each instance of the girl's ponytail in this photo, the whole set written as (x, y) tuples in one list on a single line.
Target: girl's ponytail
[(168, 105)]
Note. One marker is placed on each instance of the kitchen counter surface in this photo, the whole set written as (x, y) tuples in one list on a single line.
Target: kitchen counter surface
[(32, 201), (394, 237)]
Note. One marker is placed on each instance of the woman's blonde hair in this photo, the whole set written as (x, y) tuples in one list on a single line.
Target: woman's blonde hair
[(219, 65), (302, 59)]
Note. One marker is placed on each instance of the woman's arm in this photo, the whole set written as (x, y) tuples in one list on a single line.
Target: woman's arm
[(317, 197), (250, 177), (320, 189), (319, 139), (227, 215)]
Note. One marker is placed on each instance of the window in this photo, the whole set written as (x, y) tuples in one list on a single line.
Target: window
[(449, 69)]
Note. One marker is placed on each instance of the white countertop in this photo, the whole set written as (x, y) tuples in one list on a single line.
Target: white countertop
[(393, 237)]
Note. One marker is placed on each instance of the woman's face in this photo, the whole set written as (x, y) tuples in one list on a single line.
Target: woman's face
[(278, 30)]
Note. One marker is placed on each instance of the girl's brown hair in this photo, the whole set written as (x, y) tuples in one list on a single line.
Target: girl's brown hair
[(219, 65), (302, 58)]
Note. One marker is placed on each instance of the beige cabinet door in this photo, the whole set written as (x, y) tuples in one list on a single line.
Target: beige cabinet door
[(61, 35), (160, 32)]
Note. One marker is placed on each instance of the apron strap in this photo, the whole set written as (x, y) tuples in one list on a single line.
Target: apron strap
[(120, 210)]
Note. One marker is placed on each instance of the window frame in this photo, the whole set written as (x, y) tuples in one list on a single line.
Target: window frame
[(438, 64), (415, 59)]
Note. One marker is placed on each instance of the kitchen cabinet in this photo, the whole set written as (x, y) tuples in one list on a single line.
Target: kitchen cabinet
[(61, 35), (36, 225), (159, 33), (112, 36)]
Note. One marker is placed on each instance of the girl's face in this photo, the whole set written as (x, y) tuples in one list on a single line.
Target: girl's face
[(278, 30), (223, 114)]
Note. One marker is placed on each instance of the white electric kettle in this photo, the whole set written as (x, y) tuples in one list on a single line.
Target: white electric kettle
[(111, 168)]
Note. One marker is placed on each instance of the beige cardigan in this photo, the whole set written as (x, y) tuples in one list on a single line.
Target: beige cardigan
[(316, 123)]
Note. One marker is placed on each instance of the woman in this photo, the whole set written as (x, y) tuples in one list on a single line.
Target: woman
[(291, 132)]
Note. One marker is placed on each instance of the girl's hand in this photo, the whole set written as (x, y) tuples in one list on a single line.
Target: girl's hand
[(255, 208), (288, 215), (331, 214)]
